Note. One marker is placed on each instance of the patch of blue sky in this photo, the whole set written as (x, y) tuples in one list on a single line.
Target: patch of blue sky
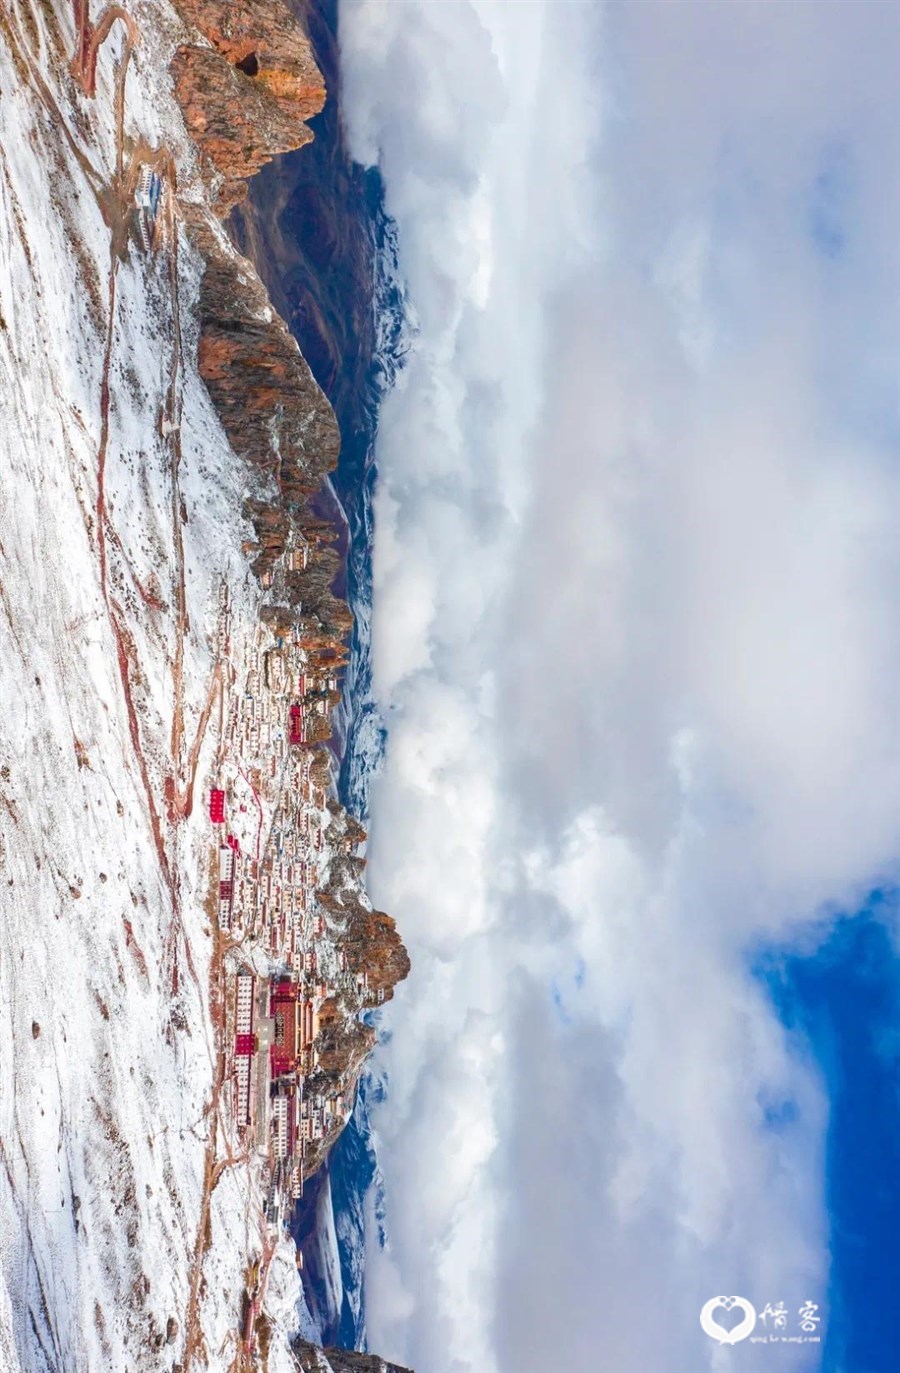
[(845, 1002), (562, 995), (830, 201), (559, 1005), (778, 1115)]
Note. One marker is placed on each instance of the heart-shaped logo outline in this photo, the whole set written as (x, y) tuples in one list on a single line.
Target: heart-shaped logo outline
[(715, 1331)]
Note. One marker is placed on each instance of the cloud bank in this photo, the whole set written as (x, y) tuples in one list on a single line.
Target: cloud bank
[(636, 641)]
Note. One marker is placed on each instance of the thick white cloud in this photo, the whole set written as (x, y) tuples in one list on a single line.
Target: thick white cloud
[(636, 640)]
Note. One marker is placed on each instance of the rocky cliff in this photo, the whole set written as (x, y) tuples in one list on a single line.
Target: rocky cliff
[(245, 87), (307, 225), (311, 1359), (246, 82), (273, 412)]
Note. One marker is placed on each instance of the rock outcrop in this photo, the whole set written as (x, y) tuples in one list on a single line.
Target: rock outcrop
[(245, 98), (371, 945), (307, 225), (274, 414), (374, 960), (246, 88), (311, 1359)]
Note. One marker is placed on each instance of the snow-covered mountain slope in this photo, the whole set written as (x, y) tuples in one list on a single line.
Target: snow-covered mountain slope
[(130, 1219), (106, 1052)]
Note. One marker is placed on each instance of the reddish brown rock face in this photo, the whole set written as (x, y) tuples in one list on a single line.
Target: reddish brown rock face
[(263, 40), (273, 411), (245, 98), (274, 414), (383, 954), (235, 123), (371, 943)]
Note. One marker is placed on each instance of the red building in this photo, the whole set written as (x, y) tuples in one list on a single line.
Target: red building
[(284, 1009), (298, 729), (216, 806)]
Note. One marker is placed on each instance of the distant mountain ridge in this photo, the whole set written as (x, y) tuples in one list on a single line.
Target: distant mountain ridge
[(313, 1359)]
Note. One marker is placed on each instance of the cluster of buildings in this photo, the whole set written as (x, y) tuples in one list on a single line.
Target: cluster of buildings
[(276, 1021), (269, 813)]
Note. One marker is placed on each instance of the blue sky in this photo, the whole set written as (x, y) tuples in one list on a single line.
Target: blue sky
[(636, 629), (845, 1000)]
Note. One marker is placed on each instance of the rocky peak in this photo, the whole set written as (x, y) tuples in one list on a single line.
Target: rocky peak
[(247, 82)]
